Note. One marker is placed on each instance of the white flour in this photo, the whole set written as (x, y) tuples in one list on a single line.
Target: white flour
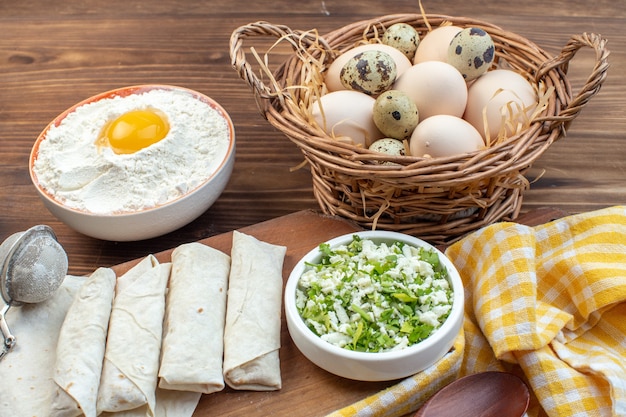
[(75, 172)]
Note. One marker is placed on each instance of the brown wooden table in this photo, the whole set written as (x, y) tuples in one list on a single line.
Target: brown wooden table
[(54, 54)]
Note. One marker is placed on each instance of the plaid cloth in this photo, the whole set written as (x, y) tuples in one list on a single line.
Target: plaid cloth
[(545, 302)]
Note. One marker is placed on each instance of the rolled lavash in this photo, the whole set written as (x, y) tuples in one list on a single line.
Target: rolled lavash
[(80, 348), (253, 315), (195, 311), (131, 360)]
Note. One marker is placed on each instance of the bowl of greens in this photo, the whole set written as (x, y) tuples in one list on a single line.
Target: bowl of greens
[(374, 305)]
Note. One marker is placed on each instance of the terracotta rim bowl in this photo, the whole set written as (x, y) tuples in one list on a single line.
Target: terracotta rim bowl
[(378, 366), (145, 223)]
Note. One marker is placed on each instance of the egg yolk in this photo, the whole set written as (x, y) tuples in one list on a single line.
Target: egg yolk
[(134, 130)]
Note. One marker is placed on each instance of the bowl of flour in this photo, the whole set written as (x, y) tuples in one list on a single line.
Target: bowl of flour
[(134, 163)]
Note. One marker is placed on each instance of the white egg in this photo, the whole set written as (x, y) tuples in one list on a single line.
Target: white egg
[(434, 45), (435, 87), (444, 135), (347, 115), (332, 79), (496, 96)]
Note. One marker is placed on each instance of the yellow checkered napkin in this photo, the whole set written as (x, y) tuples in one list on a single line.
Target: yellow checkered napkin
[(548, 302)]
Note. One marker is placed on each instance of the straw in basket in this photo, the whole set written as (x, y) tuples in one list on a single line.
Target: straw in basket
[(436, 199)]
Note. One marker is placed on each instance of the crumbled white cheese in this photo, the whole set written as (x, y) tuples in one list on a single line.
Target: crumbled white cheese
[(371, 297)]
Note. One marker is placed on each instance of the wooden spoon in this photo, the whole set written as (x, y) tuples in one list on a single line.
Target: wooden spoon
[(485, 394)]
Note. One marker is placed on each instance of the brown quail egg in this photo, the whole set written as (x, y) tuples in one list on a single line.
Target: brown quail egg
[(471, 51), (369, 72), (403, 37), (395, 114), (388, 146)]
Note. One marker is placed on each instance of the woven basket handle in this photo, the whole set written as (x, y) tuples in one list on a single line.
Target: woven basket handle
[(594, 81), (299, 40)]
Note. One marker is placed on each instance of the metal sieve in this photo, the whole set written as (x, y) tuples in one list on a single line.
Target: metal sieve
[(34, 266)]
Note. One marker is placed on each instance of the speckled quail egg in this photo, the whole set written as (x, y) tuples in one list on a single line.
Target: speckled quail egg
[(395, 114), (388, 146), (331, 77), (471, 51), (369, 72), (403, 37)]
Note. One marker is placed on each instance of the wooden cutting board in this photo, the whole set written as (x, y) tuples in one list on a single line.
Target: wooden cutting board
[(307, 390)]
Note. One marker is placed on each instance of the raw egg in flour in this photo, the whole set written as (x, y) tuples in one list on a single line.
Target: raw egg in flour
[(134, 130)]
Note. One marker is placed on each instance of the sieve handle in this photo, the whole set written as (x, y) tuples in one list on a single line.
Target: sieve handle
[(9, 339), (595, 79), (299, 41)]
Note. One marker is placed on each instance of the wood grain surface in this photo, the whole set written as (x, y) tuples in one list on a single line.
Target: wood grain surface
[(54, 54)]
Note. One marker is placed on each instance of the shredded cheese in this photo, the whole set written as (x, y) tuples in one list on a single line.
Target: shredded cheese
[(374, 297)]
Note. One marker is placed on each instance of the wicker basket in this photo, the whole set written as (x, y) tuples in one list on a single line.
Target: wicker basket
[(436, 199)]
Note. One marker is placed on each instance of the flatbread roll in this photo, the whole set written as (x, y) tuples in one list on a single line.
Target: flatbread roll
[(27, 384), (131, 359), (80, 348), (253, 315), (195, 311), (26, 373)]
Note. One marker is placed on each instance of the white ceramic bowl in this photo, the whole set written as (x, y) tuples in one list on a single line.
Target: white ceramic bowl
[(378, 366), (147, 223)]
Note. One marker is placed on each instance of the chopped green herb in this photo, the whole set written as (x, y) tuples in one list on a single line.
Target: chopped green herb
[(372, 298)]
